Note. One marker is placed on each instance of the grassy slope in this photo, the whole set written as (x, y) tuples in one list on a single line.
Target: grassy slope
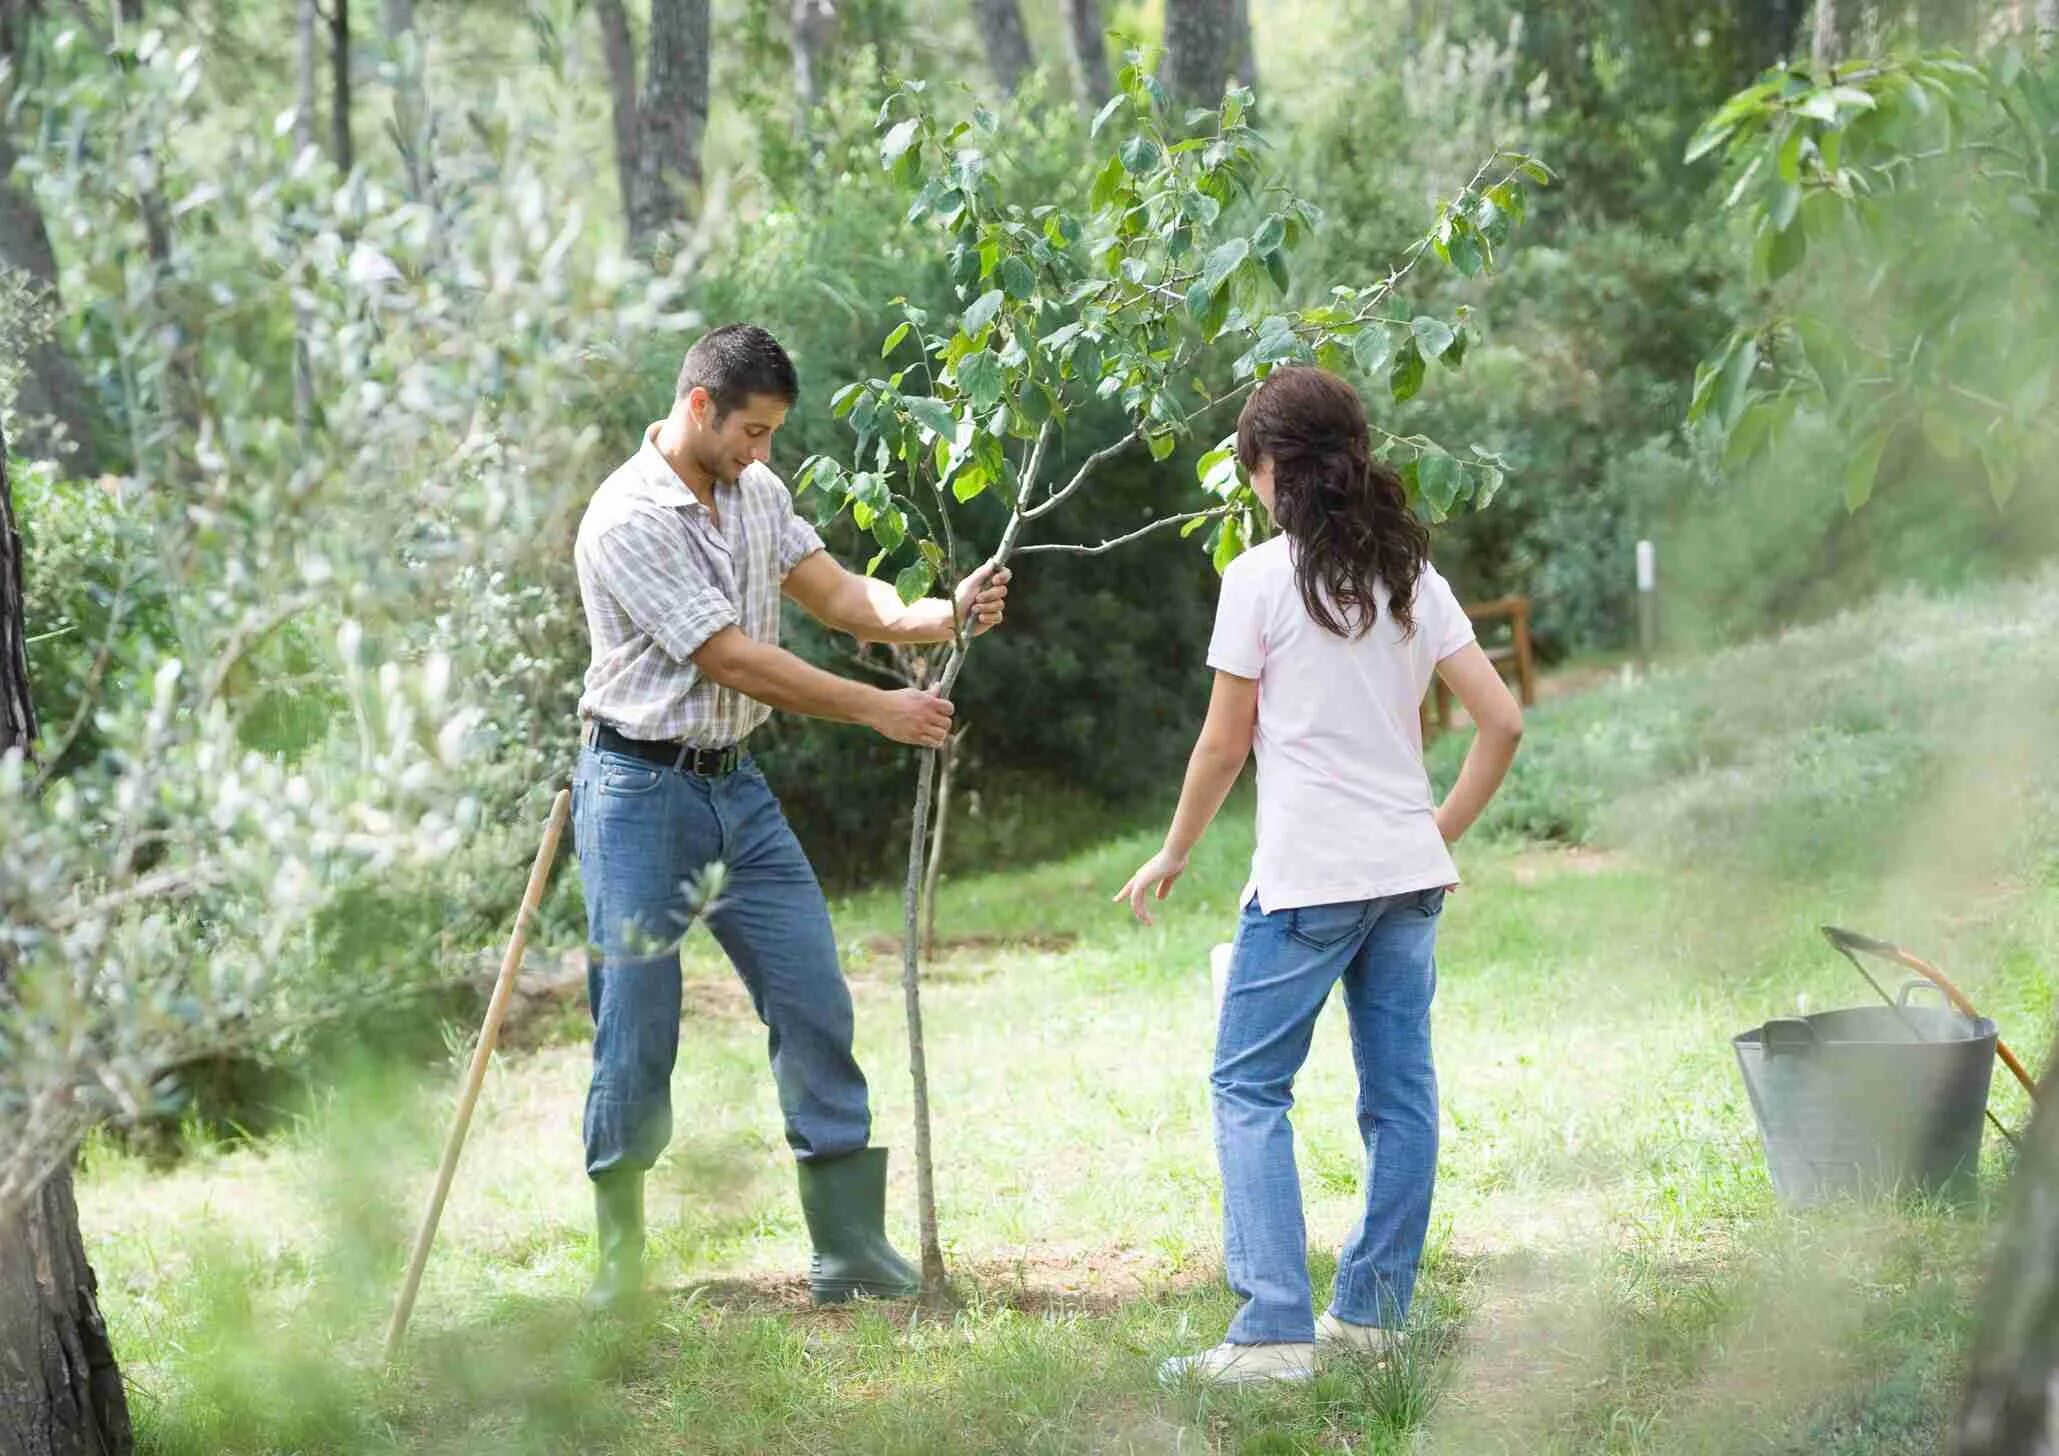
[(1608, 1272)]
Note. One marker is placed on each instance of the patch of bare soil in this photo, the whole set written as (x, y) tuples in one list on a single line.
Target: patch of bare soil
[(1547, 862)]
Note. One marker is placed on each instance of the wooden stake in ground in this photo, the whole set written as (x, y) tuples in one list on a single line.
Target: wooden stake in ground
[(489, 1035)]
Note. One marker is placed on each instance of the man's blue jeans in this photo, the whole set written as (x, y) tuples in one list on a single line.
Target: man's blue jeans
[(1384, 951), (644, 834)]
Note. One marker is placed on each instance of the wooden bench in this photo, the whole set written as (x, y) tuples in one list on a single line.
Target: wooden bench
[(1505, 655)]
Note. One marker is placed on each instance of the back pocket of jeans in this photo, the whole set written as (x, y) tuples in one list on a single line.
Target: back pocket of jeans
[(1322, 926)]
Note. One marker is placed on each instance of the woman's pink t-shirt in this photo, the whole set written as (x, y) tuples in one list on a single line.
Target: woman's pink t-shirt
[(1344, 806)]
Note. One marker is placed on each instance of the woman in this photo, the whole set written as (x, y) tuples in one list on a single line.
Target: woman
[(1325, 639)]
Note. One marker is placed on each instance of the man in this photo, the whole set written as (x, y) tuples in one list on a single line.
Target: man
[(683, 554)]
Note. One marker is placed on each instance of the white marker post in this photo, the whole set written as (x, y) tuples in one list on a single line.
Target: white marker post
[(1647, 604)]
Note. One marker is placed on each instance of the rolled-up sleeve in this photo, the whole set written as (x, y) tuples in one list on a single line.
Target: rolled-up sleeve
[(797, 539), (662, 590)]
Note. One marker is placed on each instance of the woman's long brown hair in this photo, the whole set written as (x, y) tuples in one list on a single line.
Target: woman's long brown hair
[(1346, 513)]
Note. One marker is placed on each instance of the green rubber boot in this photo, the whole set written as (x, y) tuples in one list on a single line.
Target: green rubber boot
[(844, 1200), (618, 1225)]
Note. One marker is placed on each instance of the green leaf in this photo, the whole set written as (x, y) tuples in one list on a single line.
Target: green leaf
[(1139, 155), (1372, 348), (1433, 334), (1464, 254), (1784, 204), (1276, 269), (1819, 106), (985, 120), (1861, 469), (1199, 301), (1161, 446), (1016, 278), (893, 340), (1221, 263), (1406, 375), (1491, 479), (980, 377), (1736, 384), (890, 530), (897, 141), (933, 415), (1710, 137), (970, 481), (1439, 476), (1108, 109), (982, 312), (840, 403), (913, 582), (1270, 235), (1108, 184), (2001, 473), (1786, 252)]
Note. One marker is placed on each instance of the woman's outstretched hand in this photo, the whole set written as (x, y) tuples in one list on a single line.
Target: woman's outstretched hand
[(1157, 874)]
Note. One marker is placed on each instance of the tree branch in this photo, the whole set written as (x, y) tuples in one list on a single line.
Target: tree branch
[(1076, 549)]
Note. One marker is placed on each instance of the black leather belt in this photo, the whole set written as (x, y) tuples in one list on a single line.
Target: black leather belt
[(709, 763)]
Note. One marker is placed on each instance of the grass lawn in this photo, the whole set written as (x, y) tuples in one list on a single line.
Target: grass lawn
[(1608, 1270)]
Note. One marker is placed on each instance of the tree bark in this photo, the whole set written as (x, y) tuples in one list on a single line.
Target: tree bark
[(1007, 43), (673, 116), (934, 875), (1823, 40), (339, 88), (1089, 46), (306, 100), (618, 49), (52, 389), (1244, 63), (1199, 50), (814, 33), (60, 1388), (2010, 1406)]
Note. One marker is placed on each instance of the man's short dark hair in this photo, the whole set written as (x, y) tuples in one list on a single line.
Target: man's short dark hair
[(735, 362)]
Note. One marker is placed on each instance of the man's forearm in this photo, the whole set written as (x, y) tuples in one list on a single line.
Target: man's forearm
[(779, 679), (876, 613)]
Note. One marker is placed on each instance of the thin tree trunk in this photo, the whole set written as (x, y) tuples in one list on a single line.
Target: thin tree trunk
[(339, 87), (934, 875), (673, 116), (814, 28), (1199, 46), (618, 49), (397, 18), (60, 1388), (1007, 43), (306, 101), (1823, 44), (1089, 46), (1245, 64)]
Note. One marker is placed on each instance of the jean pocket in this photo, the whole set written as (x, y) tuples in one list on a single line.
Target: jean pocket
[(626, 778), (1430, 902), (1322, 926)]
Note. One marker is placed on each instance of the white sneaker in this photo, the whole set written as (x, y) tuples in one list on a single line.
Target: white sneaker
[(1230, 1364), (1334, 1336)]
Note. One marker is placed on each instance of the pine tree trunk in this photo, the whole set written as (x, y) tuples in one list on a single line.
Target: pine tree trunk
[(339, 88), (1007, 43), (673, 117), (1200, 43), (814, 33), (60, 1389), (618, 50), (306, 99), (52, 389), (1089, 46)]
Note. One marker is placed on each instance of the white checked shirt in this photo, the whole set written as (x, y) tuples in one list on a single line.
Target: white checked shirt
[(658, 578)]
